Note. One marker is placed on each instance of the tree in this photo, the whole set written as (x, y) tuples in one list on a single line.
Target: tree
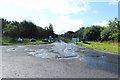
[(114, 28), (11, 31), (4, 23), (25, 29), (79, 33), (41, 33), (69, 34), (98, 33), (28, 30), (49, 30), (105, 34), (111, 32)]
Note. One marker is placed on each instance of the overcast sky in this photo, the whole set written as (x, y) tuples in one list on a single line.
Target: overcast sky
[(65, 15)]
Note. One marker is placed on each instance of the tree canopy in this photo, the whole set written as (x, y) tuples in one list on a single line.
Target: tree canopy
[(25, 29), (97, 33)]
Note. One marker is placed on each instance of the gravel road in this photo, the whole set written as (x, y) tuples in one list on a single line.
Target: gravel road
[(57, 60)]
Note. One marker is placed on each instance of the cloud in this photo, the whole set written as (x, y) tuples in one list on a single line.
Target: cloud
[(111, 2), (42, 16), (103, 23), (55, 6), (114, 2), (102, 0), (66, 24), (40, 7), (60, 6)]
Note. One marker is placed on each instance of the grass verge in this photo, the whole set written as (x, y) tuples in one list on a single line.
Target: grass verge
[(103, 46), (25, 42)]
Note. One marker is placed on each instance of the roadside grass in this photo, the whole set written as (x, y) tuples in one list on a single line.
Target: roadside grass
[(8, 41), (103, 46), (25, 43)]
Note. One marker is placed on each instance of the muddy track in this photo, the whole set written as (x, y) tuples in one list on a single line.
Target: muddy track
[(57, 60)]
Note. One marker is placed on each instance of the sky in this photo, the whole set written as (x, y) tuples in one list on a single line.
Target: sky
[(65, 15)]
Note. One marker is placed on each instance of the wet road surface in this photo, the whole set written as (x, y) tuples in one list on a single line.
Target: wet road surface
[(57, 60)]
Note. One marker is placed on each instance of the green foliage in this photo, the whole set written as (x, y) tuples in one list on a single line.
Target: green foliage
[(25, 29), (108, 46), (91, 33), (97, 33), (41, 33), (111, 32), (69, 34), (10, 41), (25, 43), (79, 33), (28, 30), (11, 31), (105, 34), (49, 31), (104, 46)]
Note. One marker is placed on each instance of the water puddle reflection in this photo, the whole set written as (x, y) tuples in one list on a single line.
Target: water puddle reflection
[(69, 51), (11, 49)]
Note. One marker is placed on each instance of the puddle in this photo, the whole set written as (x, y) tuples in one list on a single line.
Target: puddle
[(43, 53), (71, 63), (25, 49), (21, 46), (30, 50), (31, 54), (57, 50), (51, 51), (11, 49), (97, 56), (79, 51), (68, 51), (70, 56)]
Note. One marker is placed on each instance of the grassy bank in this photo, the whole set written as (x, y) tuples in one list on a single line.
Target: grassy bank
[(103, 46), (24, 42)]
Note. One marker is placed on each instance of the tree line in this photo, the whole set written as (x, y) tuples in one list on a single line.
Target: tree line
[(97, 33), (25, 29)]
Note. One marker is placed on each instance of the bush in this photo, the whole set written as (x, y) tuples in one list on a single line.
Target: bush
[(45, 40)]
